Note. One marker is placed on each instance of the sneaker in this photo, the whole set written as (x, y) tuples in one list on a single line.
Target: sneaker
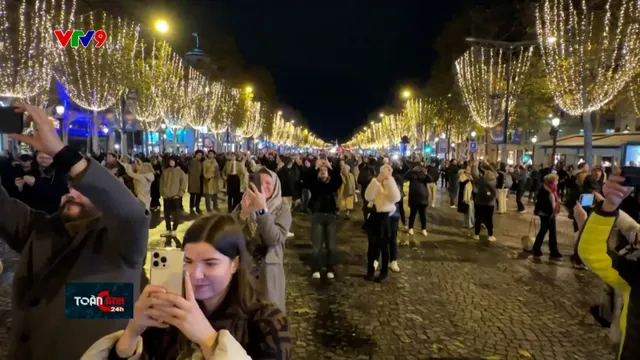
[(375, 265), (331, 275), (290, 234), (492, 238), (394, 266), (410, 231), (476, 237), (406, 228), (316, 275), (425, 233), (452, 206), (174, 233), (166, 233)]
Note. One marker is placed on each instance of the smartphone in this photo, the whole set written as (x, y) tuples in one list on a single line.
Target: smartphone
[(11, 122), (255, 180), (167, 269), (586, 200), (631, 176)]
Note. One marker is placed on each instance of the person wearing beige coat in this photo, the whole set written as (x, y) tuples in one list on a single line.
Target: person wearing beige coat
[(211, 179), (142, 175)]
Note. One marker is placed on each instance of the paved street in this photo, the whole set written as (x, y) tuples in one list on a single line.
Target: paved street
[(454, 298)]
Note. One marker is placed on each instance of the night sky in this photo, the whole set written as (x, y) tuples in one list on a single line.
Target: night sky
[(336, 62)]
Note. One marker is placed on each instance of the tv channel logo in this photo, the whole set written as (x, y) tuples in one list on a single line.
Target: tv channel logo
[(98, 300), (77, 37)]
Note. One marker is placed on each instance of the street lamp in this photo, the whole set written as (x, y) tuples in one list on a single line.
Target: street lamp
[(406, 94), (249, 89), (554, 135), (473, 134), (162, 26), (59, 110), (381, 115)]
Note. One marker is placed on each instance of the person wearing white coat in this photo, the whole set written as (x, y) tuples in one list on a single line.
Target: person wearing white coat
[(142, 175), (382, 194)]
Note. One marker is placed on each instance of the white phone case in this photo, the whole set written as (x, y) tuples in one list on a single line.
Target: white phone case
[(167, 269)]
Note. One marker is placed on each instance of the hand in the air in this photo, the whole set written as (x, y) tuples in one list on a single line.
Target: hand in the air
[(44, 138)]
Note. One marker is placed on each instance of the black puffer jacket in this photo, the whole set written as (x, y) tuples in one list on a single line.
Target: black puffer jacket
[(418, 192)]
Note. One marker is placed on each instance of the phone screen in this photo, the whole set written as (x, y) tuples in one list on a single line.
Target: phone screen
[(586, 200), (10, 121)]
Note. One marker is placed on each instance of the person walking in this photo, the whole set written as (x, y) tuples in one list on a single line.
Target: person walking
[(465, 198), (547, 208), (484, 200), (434, 174), (211, 185), (452, 175), (173, 184), (196, 180), (99, 234)]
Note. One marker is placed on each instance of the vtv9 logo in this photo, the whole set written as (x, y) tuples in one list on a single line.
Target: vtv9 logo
[(77, 37)]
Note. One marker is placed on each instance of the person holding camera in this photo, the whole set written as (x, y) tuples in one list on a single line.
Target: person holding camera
[(618, 271), (99, 234)]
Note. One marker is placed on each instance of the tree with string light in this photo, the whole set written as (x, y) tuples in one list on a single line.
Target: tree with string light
[(483, 75), (27, 49), (95, 78), (589, 55)]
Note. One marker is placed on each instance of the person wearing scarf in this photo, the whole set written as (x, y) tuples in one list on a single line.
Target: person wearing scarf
[(547, 208), (347, 192), (265, 222)]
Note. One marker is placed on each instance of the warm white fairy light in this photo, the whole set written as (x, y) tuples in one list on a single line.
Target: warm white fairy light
[(634, 94), (95, 78), (254, 121), (482, 76), (27, 50), (201, 98), (152, 72), (172, 98), (593, 54), (227, 109), (278, 130)]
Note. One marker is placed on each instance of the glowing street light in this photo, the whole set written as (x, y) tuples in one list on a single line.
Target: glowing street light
[(406, 94), (162, 26), (59, 110), (534, 139), (249, 89), (555, 122), (473, 134), (279, 112), (381, 116)]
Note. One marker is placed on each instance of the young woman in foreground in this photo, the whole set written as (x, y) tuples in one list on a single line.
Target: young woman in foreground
[(221, 316)]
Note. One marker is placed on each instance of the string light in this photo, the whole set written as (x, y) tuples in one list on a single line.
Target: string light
[(588, 57), (172, 94), (482, 76), (27, 49), (254, 121), (634, 94), (152, 71), (94, 78)]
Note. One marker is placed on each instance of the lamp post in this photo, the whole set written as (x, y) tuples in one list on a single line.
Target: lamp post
[(534, 140), (554, 135), (473, 138)]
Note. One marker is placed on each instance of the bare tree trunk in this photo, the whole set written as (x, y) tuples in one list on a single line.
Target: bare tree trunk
[(588, 135), (597, 127)]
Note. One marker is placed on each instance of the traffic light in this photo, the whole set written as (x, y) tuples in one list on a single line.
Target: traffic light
[(428, 149)]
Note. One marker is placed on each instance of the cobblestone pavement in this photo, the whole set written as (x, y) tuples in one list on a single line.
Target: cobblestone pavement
[(454, 298)]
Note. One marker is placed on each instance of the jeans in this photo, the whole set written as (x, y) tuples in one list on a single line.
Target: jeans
[(547, 225), (519, 195), (211, 198), (171, 213), (432, 193), (470, 216), (194, 202), (323, 232), (393, 247), (234, 195), (484, 215), (418, 209), (306, 196), (502, 200)]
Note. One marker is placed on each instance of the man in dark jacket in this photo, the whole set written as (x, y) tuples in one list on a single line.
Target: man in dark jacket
[(99, 236), (452, 174)]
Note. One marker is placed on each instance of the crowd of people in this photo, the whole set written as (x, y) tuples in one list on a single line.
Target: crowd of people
[(86, 219)]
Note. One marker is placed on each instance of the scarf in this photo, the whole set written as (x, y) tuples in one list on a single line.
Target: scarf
[(553, 188)]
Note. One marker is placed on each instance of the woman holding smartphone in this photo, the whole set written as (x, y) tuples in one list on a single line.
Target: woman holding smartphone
[(221, 316)]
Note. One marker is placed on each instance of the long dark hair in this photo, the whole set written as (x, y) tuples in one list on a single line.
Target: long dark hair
[(223, 233)]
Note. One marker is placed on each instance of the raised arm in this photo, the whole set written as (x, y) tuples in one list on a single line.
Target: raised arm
[(125, 216)]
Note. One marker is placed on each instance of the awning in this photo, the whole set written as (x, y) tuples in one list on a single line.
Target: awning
[(598, 140)]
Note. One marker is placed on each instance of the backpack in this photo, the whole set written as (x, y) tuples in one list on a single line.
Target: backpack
[(508, 181)]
